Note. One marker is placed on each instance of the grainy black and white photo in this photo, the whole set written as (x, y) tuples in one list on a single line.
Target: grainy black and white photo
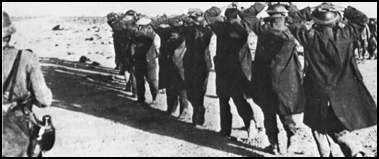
[(189, 79)]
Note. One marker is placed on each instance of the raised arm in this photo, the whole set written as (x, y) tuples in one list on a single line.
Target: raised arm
[(297, 26), (356, 20), (249, 17)]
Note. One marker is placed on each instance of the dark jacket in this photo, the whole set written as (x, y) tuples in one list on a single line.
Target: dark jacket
[(170, 75), (122, 45), (143, 43), (332, 74), (277, 70), (230, 80), (196, 61)]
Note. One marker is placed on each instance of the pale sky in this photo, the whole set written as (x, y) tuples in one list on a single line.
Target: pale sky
[(148, 8)]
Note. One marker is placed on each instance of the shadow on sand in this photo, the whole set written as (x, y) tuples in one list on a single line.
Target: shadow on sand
[(100, 94)]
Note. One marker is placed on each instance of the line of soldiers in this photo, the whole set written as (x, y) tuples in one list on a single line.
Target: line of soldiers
[(366, 45), (329, 90)]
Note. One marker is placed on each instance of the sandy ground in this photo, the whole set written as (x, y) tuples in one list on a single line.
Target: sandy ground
[(93, 116)]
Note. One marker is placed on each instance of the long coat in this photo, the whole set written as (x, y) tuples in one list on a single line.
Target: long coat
[(122, 46), (230, 79), (276, 76), (171, 72), (196, 61), (332, 74)]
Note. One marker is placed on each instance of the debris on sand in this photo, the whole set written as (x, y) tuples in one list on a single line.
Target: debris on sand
[(56, 45), (70, 53), (89, 39), (97, 36), (94, 63), (57, 27), (84, 59)]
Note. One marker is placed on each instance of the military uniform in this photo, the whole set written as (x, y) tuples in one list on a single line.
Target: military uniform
[(29, 88)]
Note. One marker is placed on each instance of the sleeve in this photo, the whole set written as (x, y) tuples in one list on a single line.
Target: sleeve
[(250, 19), (299, 16), (217, 28), (357, 21), (39, 89), (297, 28), (241, 31)]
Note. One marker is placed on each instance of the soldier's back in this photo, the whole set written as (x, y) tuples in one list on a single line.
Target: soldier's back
[(29, 78)]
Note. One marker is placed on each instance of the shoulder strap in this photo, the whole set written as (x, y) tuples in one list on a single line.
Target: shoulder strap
[(12, 75)]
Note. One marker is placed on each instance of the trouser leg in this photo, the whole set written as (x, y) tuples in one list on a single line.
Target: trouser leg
[(198, 109), (133, 82), (183, 100), (172, 100), (116, 46), (225, 116), (270, 122), (140, 82), (152, 78), (153, 85), (243, 109), (127, 80)]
